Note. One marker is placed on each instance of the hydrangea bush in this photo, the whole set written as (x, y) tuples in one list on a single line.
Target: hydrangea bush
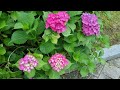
[(48, 44)]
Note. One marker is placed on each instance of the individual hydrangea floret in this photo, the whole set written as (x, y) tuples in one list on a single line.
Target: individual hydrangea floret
[(90, 25), (57, 22), (28, 63), (58, 62)]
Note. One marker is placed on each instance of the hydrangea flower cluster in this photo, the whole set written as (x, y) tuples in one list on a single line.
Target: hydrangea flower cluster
[(27, 63), (90, 24), (58, 62), (57, 22)]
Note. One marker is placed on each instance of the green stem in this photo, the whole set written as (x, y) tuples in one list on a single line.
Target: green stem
[(8, 60)]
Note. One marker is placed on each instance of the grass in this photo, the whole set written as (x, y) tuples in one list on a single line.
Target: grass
[(112, 27)]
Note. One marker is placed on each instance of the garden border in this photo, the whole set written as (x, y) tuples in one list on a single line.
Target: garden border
[(111, 53)]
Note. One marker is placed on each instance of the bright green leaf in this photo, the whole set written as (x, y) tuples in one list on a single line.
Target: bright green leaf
[(54, 38), (2, 24), (72, 26), (45, 15), (84, 71), (76, 56), (14, 15), (30, 74), (18, 25), (41, 63), (2, 50), (67, 32)]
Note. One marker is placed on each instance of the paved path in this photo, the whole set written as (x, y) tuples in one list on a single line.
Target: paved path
[(111, 70)]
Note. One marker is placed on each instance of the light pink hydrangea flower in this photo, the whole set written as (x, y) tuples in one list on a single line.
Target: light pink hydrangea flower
[(57, 21), (90, 24), (58, 62), (27, 63)]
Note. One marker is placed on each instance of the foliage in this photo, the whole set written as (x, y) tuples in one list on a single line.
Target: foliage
[(23, 32)]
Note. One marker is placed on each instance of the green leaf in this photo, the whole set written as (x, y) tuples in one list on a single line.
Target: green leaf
[(46, 37), (0, 13), (2, 59), (54, 75), (6, 42), (76, 56), (40, 56), (84, 71), (106, 41), (67, 32), (47, 47), (31, 74), (41, 63), (26, 19), (71, 38), (14, 15), (68, 66), (41, 27), (72, 26), (45, 15), (68, 47), (2, 24), (47, 34), (80, 37), (36, 23), (91, 67), (46, 67), (54, 38), (2, 50), (18, 25), (19, 37), (74, 13), (74, 19), (102, 61)]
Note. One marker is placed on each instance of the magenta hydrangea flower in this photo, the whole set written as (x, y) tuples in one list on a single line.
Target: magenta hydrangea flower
[(57, 22), (28, 63), (58, 62), (90, 25)]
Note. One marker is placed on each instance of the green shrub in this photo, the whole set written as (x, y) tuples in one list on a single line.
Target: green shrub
[(23, 32)]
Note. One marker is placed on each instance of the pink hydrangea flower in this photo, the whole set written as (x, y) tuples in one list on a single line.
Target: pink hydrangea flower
[(27, 63), (57, 22), (90, 24), (58, 62)]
